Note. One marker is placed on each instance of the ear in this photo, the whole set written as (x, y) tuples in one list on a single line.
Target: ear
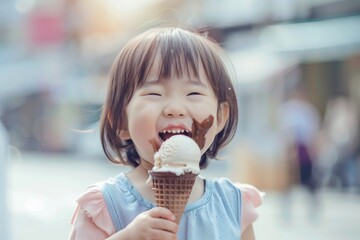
[(223, 116), (124, 135)]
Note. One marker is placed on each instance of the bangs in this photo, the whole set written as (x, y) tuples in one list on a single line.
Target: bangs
[(174, 52), (178, 57)]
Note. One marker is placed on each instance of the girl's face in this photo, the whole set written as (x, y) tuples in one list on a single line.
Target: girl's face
[(171, 105)]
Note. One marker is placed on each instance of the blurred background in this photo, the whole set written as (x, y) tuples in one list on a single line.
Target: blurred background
[(297, 69)]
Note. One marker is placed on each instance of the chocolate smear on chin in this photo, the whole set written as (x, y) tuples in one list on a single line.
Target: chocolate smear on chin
[(199, 130)]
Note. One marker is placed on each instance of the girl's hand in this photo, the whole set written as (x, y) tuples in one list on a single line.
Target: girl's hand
[(155, 224)]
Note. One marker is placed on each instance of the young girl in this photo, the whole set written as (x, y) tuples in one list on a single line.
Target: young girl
[(161, 82)]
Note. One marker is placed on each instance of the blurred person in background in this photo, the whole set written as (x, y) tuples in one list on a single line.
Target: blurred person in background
[(300, 125), (341, 133), (4, 219)]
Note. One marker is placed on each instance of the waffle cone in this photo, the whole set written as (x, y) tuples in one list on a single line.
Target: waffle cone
[(172, 191)]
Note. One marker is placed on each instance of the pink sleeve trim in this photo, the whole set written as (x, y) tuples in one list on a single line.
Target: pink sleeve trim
[(93, 204), (251, 199)]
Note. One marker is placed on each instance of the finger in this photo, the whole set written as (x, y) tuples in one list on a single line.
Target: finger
[(164, 224), (160, 212), (160, 235)]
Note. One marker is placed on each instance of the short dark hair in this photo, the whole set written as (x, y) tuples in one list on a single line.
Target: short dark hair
[(181, 52)]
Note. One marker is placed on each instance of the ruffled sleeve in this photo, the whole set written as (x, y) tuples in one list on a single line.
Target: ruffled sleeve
[(91, 220), (251, 199)]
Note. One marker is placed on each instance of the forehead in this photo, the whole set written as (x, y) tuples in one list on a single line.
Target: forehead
[(177, 60), (160, 70)]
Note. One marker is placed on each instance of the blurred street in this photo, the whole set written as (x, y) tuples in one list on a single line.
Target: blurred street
[(43, 188)]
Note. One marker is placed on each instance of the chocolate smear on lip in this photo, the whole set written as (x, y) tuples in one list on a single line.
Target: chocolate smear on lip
[(199, 130)]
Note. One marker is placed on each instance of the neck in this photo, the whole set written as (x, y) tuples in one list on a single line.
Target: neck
[(140, 173), (146, 165), (139, 178)]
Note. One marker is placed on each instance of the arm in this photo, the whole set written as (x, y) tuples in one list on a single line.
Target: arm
[(157, 223), (248, 233), (92, 221), (84, 227)]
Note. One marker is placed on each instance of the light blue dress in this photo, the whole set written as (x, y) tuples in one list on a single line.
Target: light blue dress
[(216, 215)]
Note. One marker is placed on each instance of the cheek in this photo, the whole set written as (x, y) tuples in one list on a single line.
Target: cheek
[(140, 135), (142, 130), (202, 111), (140, 118)]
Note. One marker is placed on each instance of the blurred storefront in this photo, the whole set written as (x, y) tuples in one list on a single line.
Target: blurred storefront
[(318, 49), (54, 60)]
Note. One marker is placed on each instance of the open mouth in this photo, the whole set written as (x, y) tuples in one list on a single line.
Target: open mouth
[(166, 134)]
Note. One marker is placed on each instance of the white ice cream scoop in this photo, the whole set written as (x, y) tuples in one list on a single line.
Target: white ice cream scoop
[(178, 154)]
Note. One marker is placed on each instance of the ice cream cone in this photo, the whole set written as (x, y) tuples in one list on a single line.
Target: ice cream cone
[(172, 191)]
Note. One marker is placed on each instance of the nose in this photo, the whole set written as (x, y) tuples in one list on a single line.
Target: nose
[(174, 108)]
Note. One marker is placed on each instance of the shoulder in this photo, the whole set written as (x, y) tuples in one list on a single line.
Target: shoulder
[(95, 195), (245, 197), (116, 184), (251, 199), (222, 184), (92, 204), (92, 212), (225, 197), (249, 193)]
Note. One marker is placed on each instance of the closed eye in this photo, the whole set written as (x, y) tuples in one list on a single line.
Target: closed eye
[(153, 94), (194, 93)]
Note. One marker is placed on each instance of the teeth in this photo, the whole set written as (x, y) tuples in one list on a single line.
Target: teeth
[(175, 131)]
